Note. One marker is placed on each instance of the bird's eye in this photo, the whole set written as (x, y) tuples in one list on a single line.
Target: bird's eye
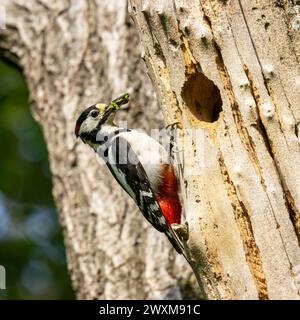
[(94, 113)]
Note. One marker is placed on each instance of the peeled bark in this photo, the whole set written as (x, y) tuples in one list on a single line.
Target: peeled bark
[(74, 54), (229, 70)]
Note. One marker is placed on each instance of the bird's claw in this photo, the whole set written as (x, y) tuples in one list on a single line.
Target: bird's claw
[(174, 125), (182, 230)]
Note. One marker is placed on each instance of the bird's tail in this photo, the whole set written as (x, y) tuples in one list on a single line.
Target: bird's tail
[(179, 247)]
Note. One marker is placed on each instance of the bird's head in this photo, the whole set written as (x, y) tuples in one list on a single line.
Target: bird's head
[(92, 118)]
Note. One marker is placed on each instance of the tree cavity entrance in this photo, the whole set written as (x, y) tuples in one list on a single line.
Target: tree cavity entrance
[(203, 98)]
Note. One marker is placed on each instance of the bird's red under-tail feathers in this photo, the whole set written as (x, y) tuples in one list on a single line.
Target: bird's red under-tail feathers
[(168, 197)]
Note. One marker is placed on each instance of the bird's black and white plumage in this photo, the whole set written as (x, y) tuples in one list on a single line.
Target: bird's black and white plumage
[(139, 164)]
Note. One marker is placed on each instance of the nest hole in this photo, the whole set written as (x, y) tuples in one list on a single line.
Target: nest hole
[(203, 98)]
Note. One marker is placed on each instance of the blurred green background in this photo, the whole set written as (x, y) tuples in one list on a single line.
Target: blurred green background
[(31, 243)]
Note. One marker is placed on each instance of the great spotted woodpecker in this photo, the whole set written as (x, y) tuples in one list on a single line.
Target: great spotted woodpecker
[(138, 162)]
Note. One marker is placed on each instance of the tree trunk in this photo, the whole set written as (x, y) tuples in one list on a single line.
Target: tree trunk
[(73, 54), (229, 71), (226, 68)]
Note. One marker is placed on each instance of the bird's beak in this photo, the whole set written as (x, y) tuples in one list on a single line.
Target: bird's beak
[(116, 104)]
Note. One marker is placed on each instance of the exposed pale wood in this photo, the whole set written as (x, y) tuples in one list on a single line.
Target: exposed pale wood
[(242, 199)]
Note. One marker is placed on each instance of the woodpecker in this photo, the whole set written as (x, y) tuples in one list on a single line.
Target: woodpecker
[(138, 162)]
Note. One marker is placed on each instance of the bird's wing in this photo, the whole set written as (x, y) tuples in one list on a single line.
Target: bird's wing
[(125, 166)]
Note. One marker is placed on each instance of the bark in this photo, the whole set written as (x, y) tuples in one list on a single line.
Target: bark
[(74, 54), (230, 69)]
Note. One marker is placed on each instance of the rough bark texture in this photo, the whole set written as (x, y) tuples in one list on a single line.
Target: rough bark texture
[(231, 70), (227, 68), (73, 54)]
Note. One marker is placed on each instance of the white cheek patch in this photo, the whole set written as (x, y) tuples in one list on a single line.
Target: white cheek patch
[(89, 124)]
